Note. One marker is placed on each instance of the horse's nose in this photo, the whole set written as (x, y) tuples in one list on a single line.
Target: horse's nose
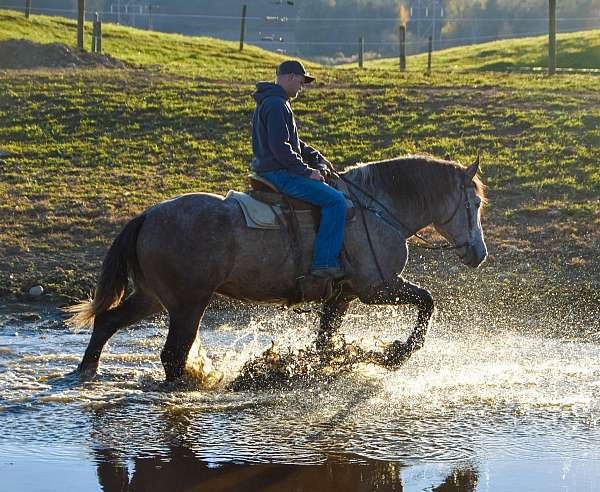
[(475, 256), (479, 254)]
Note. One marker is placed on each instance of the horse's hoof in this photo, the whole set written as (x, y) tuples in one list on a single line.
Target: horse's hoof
[(396, 354), (85, 375)]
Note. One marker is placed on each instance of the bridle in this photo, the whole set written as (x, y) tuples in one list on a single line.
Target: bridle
[(388, 218), (467, 204), (392, 221)]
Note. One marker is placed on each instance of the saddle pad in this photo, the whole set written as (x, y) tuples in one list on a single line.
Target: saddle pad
[(258, 215)]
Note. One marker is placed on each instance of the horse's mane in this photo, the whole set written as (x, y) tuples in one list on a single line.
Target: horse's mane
[(419, 179)]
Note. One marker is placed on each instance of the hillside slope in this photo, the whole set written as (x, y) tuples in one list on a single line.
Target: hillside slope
[(200, 56), (575, 50)]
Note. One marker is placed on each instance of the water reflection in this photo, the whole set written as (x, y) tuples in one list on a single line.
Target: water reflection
[(182, 459), (459, 481), (181, 470)]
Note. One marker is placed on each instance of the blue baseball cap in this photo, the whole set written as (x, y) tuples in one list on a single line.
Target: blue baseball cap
[(293, 66)]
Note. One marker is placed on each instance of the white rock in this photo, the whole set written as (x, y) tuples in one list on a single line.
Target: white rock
[(36, 291)]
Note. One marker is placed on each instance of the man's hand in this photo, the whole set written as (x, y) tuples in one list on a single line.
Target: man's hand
[(323, 170), (326, 163), (325, 167), (317, 175)]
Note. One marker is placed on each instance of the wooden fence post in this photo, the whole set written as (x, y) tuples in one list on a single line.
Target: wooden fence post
[(552, 38), (429, 50), (243, 29), (94, 32), (361, 51), (402, 38), (27, 8), (80, 21), (99, 35)]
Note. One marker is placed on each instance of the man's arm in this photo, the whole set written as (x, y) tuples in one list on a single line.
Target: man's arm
[(309, 154), (279, 137), (316, 160)]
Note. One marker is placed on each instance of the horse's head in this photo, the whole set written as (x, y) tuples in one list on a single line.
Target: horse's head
[(461, 223)]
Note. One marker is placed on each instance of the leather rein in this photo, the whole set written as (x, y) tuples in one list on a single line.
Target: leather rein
[(392, 221)]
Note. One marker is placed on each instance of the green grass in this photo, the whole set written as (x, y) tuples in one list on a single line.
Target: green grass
[(577, 50), (94, 147)]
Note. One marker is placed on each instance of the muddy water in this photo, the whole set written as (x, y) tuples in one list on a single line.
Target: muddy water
[(488, 408)]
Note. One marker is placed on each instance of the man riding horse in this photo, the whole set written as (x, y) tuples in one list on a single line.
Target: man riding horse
[(176, 255), (295, 168)]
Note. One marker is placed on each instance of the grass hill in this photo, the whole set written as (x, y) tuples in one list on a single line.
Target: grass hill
[(194, 56), (577, 50), (84, 150)]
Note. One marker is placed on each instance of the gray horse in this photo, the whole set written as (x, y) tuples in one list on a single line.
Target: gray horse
[(178, 253)]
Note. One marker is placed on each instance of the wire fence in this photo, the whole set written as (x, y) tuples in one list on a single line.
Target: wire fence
[(141, 11), (281, 33)]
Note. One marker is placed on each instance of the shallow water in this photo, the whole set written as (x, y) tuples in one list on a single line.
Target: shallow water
[(480, 408)]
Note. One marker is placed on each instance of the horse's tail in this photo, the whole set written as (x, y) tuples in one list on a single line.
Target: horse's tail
[(119, 265)]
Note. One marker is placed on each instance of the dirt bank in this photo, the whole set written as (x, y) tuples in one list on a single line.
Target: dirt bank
[(25, 54)]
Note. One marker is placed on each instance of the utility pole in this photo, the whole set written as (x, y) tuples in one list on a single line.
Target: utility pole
[(27, 9)]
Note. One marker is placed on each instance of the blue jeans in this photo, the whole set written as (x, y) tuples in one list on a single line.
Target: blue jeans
[(330, 236)]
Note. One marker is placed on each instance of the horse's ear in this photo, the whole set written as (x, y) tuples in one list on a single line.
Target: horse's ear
[(471, 171)]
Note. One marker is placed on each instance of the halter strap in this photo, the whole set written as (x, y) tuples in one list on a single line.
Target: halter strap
[(463, 189)]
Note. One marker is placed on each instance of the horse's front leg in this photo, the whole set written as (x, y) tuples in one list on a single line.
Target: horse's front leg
[(397, 292)]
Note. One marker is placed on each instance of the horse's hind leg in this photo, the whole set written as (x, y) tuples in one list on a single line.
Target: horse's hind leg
[(136, 307), (183, 327)]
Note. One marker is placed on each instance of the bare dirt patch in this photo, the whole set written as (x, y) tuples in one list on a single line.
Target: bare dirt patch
[(24, 54)]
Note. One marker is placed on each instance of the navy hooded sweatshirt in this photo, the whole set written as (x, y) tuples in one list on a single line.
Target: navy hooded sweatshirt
[(275, 141)]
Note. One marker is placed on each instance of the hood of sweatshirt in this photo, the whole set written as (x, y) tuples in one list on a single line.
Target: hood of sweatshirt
[(268, 89)]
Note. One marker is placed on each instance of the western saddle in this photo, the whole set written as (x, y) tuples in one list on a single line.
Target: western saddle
[(263, 190)]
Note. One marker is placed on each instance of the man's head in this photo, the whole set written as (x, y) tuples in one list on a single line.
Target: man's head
[(291, 75)]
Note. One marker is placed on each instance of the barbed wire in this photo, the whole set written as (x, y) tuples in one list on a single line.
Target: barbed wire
[(154, 14), (444, 40), (277, 42)]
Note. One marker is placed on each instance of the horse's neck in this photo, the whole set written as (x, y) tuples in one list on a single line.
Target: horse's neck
[(412, 216)]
